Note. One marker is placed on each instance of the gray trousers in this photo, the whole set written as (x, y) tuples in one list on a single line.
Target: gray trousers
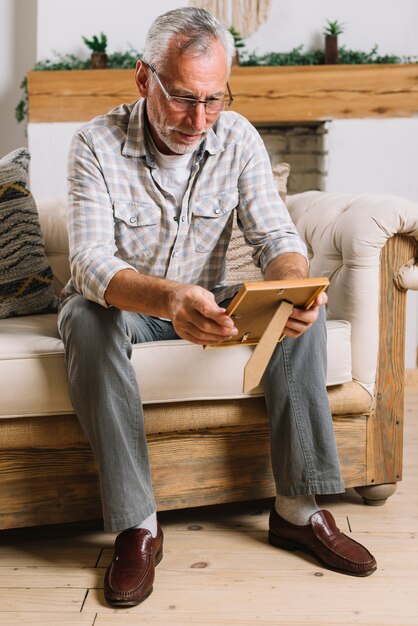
[(106, 399)]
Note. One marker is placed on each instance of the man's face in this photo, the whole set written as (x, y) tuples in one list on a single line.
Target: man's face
[(202, 77)]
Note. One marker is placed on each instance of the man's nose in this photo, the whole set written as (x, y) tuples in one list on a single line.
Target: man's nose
[(198, 117)]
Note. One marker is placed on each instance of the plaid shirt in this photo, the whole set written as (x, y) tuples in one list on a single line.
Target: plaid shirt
[(120, 216)]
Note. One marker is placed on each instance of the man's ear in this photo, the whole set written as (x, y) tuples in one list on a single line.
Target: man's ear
[(142, 78)]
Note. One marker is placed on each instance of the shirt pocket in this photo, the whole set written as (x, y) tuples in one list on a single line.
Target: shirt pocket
[(136, 228), (211, 216)]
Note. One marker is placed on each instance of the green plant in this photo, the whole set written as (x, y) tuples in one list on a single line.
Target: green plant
[(22, 107), (61, 62), (238, 41), (296, 56), (123, 60), (95, 44), (333, 28), (358, 57)]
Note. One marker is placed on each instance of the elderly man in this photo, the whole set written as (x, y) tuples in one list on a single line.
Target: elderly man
[(147, 256)]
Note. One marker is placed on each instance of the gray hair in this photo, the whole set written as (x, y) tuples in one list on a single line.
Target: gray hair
[(195, 31)]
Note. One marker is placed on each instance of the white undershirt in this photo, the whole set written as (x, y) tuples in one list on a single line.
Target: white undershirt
[(174, 170)]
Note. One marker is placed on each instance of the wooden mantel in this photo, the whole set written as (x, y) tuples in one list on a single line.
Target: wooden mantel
[(265, 95)]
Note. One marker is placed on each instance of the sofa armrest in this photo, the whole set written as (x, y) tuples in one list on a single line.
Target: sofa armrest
[(346, 236)]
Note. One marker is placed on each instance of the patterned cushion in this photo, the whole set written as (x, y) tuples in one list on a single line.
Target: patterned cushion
[(25, 274), (239, 263)]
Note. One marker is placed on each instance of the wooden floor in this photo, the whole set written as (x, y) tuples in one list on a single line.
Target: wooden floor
[(219, 569)]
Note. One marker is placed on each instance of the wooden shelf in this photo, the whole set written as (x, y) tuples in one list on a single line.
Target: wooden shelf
[(265, 95)]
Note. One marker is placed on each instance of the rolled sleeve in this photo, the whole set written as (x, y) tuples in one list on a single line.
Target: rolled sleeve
[(90, 224)]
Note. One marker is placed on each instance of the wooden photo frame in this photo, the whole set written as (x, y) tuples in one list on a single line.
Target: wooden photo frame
[(255, 304), (260, 311)]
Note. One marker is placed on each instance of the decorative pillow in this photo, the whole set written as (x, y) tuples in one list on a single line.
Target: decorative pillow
[(25, 274), (239, 262)]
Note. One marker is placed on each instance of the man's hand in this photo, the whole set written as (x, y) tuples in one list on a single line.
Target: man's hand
[(301, 320), (288, 266), (196, 316)]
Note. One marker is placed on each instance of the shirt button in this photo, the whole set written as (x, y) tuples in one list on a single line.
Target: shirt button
[(183, 219), (133, 220), (174, 254), (217, 211), (176, 219)]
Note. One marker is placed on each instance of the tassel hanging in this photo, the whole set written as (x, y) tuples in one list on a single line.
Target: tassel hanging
[(246, 16)]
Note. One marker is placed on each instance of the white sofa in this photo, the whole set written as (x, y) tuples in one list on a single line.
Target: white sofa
[(200, 419)]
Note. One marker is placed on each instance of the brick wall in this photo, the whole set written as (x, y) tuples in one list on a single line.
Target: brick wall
[(303, 147)]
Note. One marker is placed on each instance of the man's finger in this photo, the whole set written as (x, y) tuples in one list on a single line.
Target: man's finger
[(199, 336), (206, 311)]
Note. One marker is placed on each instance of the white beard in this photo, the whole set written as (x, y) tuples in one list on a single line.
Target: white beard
[(177, 147), (165, 134)]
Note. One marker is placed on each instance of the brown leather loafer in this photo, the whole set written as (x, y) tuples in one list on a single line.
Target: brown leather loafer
[(325, 541), (130, 576)]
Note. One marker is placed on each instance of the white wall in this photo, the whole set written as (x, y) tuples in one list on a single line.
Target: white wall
[(17, 55), (392, 24), (61, 24), (49, 145), (373, 155)]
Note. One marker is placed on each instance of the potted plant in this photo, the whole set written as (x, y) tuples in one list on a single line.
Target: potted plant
[(238, 44), (98, 47), (331, 32)]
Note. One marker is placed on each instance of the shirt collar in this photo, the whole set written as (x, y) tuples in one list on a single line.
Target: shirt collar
[(212, 143), (136, 144)]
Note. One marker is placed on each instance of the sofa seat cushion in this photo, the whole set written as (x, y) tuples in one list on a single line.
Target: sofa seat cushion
[(34, 380)]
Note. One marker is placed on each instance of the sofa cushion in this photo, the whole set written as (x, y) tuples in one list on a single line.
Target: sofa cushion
[(25, 274), (32, 361)]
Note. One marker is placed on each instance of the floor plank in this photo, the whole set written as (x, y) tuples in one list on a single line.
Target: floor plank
[(33, 600), (48, 556), (59, 618), (36, 577)]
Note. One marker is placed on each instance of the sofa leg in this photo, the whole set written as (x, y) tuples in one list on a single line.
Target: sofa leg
[(376, 495)]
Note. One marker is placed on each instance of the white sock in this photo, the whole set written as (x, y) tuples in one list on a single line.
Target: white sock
[(150, 523), (296, 509)]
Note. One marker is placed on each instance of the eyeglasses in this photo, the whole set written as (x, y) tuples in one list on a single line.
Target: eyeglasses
[(183, 103)]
